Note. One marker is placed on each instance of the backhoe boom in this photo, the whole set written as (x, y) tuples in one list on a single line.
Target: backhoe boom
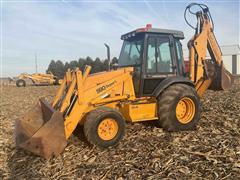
[(206, 73)]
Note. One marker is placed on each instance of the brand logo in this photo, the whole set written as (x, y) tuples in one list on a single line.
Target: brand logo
[(102, 88)]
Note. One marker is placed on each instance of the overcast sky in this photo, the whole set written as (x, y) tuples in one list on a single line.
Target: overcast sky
[(64, 30)]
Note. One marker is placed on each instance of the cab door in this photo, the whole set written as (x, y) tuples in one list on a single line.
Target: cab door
[(159, 62), (131, 56)]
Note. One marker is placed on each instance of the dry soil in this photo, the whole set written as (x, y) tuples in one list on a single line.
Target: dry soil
[(212, 151)]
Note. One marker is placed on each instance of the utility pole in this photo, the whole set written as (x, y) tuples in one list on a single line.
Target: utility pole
[(36, 63)]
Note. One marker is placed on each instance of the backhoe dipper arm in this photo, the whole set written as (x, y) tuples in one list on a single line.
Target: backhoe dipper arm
[(206, 73)]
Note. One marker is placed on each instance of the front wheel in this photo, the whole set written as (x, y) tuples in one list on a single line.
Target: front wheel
[(20, 83), (179, 108), (104, 127)]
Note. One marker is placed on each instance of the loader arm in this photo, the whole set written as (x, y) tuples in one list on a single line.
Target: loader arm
[(206, 73), (82, 97), (45, 128)]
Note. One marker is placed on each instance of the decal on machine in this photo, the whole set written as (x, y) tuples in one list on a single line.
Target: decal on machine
[(102, 88)]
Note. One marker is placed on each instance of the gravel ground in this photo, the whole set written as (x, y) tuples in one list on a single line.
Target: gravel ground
[(212, 151)]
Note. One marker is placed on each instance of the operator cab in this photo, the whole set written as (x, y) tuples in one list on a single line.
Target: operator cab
[(155, 54)]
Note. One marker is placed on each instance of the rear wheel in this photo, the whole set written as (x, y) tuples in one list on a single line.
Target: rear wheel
[(179, 108), (20, 83), (104, 127)]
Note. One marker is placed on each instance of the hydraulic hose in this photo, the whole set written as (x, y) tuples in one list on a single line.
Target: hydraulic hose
[(203, 9)]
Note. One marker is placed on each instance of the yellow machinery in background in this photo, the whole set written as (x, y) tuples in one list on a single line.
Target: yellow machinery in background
[(150, 83), (37, 79)]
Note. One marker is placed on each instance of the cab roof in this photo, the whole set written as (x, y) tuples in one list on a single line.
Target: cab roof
[(149, 29)]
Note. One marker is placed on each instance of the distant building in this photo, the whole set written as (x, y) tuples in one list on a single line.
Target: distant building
[(230, 56), (6, 80)]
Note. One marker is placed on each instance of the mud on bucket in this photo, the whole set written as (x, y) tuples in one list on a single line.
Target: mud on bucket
[(41, 131), (223, 79)]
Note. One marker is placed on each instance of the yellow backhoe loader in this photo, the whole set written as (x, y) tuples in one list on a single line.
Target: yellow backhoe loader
[(37, 79), (149, 84)]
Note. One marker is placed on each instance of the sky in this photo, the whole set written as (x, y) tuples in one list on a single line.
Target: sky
[(67, 30)]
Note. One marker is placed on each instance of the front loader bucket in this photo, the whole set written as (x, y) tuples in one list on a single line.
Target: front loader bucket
[(41, 131), (223, 79)]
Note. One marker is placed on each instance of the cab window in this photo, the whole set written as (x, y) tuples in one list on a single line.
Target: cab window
[(159, 58), (179, 56), (131, 52)]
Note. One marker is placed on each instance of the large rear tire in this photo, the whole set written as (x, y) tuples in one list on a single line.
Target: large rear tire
[(20, 83), (179, 108), (104, 127)]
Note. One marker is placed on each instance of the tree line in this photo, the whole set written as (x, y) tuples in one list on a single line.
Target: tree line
[(58, 68)]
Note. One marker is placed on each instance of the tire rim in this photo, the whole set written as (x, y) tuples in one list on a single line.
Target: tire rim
[(185, 110), (107, 129)]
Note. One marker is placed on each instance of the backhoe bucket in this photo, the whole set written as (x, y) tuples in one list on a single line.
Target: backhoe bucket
[(41, 131), (223, 79)]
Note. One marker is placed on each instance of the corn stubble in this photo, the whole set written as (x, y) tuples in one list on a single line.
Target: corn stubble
[(211, 151)]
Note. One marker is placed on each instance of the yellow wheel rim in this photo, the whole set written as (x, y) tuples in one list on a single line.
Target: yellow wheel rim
[(107, 129), (185, 110)]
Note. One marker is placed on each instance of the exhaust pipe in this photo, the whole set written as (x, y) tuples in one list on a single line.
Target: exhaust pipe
[(108, 56)]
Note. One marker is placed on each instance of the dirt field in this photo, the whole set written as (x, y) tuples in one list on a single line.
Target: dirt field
[(210, 152)]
